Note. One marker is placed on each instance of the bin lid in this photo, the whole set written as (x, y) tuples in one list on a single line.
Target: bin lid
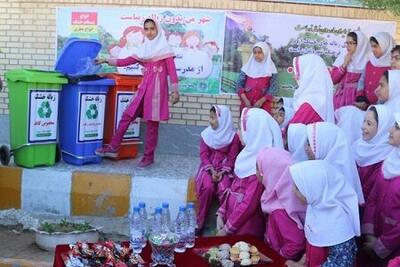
[(76, 58), (91, 80), (125, 80), (35, 76)]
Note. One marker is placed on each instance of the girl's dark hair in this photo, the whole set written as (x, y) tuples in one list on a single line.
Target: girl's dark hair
[(353, 36), (149, 20), (386, 75), (396, 48), (212, 109), (373, 109), (373, 39), (280, 101)]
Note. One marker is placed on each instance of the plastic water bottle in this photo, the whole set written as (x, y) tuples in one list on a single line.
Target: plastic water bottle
[(166, 216), (137, 241), (181, 230), (143, 215), (142, 211), (157, 222), (192, 225)]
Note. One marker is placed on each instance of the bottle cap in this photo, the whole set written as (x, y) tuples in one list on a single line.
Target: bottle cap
[(182, 208), (158, 210)]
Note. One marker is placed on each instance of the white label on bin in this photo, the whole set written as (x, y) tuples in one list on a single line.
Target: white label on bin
[(91, 117), (43, 113), (123, 101)]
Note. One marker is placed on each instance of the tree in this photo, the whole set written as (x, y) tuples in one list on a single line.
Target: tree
[(390, 5)]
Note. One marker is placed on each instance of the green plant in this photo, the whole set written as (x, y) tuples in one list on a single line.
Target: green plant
[(390, 5), (65, 227)]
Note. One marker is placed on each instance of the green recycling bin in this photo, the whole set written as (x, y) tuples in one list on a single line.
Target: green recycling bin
[(34, 97)]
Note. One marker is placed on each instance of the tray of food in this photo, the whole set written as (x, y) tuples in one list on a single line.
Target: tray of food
[(239, 254)]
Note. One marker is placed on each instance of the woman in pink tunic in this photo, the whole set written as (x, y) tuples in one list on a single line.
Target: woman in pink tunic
[(381, 218), (347, 69), (241, 213), (381, 45), (285, 221), (255, 86), (312, 100), (372, 148), (151, 101), (219, 147)]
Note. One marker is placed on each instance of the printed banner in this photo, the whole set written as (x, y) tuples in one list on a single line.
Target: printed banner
[(91, 117), (197, 37), (200, 42), (123, 100), (288, 36), (43, 114)]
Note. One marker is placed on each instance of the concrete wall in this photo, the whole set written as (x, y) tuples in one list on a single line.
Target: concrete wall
[(28, 33)]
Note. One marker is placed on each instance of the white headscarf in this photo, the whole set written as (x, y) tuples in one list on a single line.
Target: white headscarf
[(375, 150), (329, 142), (156, 49), (393, 103), (360, 56), (256, 69), (224, 134), (315, 85), (297, 138), (350, 120), (386, 42), (391, 165), (332, 215), (258, 130)]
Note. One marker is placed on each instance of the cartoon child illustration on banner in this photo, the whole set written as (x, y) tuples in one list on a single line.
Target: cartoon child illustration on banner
[(195, 62), (132, 37)]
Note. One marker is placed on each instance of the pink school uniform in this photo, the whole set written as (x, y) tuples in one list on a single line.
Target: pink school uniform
[(375, 67), (256, 77), (369, 155), (329, 143), (218, 150), (346, 80), (241, 210), (312, 100), (394, 263), (285, 214), (332, 216), (382, 212), (151, 101)]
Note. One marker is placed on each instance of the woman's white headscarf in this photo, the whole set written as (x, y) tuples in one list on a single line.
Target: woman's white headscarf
[(258, 130), (265, 68)]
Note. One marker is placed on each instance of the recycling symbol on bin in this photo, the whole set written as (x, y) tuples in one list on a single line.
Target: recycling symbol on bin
[(92, 112), (44, 110)]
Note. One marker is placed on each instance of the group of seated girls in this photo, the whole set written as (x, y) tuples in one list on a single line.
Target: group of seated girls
[(299, 183)]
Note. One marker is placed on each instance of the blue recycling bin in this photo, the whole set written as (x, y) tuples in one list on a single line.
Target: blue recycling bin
[(82, 102)]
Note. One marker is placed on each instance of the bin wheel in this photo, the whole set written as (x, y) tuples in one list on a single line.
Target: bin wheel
[(58, 154), (5, 155)]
